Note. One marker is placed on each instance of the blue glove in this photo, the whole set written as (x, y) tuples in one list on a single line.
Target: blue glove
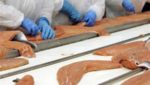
[(69, 10), (30, 27), (90, 18), (45, 28), (128, 5)]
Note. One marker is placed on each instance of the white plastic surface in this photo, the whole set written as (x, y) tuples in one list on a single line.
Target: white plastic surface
[(48, 74), (83, 46)]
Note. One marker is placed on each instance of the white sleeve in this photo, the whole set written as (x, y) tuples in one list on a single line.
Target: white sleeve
[(9, 16), (99, 8), (50, 7), (58, 5)]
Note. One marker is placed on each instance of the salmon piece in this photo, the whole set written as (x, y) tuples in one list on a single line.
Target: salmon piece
[(142, 79), (75, 30), (24, 49), (129, 55), (3, 52), (26, 80), (118, 21), (7, 43), (132, 58), (100, 27), (71, 74), (6, 64), (120, 48), (7, 35)]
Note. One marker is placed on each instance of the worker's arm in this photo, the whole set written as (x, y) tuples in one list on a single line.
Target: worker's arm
[(9, 16), (13, 18), (47, 10), (45, 18), (99, 8), (71, 11), (95, 12)]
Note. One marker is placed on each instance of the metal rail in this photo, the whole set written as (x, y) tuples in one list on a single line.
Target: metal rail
[(60, 42), (122, 77), (64, 59)]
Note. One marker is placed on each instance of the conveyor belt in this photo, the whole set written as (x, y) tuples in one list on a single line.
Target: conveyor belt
[(48, 74), (118, 37), (59, 42)]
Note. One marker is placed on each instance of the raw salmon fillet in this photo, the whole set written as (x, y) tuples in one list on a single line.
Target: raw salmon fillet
[(132, 58), (142, 79), (120, 48), (75, 30), (24, 49), (26, 80), (6, 64), (71, 74), (129, 55), (3, 52), (100, 27), (7, 43)]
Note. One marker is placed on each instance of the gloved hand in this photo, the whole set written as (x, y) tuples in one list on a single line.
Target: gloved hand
[(30, 27), (45, 28), (69, 10), (128, 5), (89, 18)]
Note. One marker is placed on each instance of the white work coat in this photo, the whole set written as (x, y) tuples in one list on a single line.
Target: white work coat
[(12, 12), (114, 8), (83, 6)]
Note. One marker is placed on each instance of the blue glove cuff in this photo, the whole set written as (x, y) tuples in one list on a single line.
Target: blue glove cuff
[(43, 20), (24, 21), (94, 14), (128, 5)]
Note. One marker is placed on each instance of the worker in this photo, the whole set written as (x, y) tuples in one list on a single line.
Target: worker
[(90, 11), (115, 8), (34, 15)]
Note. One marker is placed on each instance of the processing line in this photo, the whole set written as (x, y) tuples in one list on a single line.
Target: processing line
[(48, 61), (72, 39)]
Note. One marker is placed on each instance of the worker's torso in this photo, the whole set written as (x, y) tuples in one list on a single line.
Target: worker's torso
[(31, 8)]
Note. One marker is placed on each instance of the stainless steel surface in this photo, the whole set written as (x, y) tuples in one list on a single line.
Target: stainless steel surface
[(141, 67), (64, 59), (122, 77), (22, 38), (147, 44), (145, 65)]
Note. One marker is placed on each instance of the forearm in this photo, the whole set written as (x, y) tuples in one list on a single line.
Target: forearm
[(70, 11), (48, 10), (99, 9)]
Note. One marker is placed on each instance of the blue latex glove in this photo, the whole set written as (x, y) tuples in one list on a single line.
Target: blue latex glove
[(128, 5), (45, 28), (89, 18), (30, 27), (69, 10)]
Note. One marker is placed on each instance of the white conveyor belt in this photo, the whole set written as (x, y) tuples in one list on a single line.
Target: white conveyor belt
[(83, 46), (47, 75)]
